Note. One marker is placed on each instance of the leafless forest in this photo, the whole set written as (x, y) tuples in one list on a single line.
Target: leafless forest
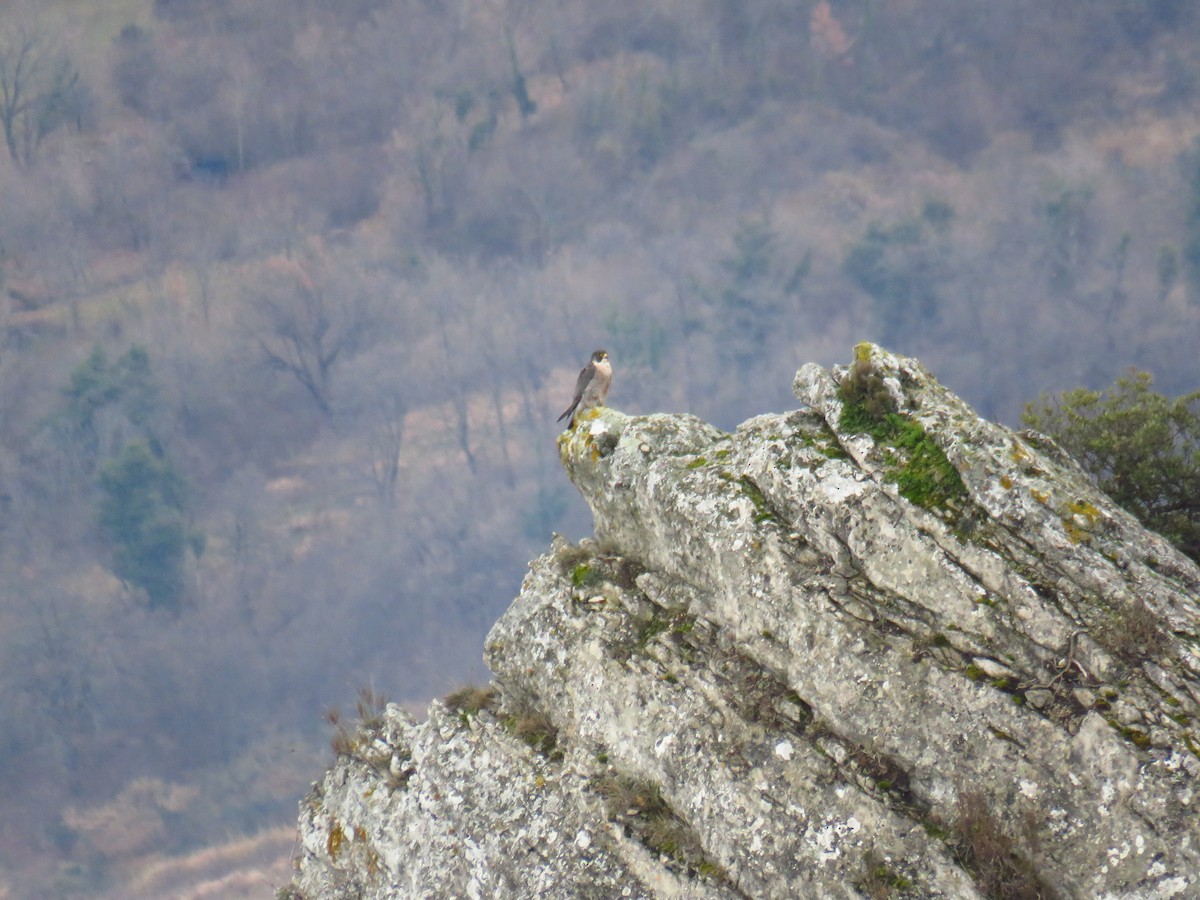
[(292, 291)]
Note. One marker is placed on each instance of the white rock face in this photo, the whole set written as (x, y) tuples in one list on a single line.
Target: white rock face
[(800, 661)]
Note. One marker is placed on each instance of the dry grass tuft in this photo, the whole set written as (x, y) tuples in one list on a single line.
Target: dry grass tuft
[(981, 843), (1132, 633), (470, 699), (639, 805), (536, 729)]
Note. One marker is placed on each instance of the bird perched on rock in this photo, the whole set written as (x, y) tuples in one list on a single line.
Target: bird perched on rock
[(591, 388)]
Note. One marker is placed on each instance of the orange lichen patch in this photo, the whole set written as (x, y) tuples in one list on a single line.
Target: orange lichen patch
[(1079, 521), (1075, 534), (1085, 511), (333, 844)]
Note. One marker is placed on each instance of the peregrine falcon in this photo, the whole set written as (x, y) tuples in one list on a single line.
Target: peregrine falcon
[(591, 388)]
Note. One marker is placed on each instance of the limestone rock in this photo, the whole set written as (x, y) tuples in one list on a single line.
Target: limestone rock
[(924, 657)]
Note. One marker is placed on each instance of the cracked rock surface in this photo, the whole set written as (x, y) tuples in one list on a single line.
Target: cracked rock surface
[(921, 658)]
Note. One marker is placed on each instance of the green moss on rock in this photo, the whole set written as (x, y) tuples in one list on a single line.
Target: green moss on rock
[(918, 467)]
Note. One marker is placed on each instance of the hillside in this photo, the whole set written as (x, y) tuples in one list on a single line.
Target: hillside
[(839, 652), (291, 293)]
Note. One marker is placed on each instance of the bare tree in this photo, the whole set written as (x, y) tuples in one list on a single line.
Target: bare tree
[(386, 438), (39, 90), (307, 317), (459, 392), (440, 160)]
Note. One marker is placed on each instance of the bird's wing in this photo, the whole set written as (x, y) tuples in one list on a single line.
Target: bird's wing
[(588, 373)]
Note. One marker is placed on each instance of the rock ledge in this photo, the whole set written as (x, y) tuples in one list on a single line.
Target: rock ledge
[(876, 647)]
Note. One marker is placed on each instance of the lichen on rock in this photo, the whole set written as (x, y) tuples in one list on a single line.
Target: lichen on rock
[(898, 652)]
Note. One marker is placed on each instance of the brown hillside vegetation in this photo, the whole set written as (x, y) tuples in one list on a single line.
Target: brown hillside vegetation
[(291, 292)]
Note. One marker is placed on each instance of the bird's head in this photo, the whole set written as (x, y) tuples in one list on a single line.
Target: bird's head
[(599, 356)]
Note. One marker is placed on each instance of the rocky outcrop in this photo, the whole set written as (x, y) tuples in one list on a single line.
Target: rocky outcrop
[(875, 647)]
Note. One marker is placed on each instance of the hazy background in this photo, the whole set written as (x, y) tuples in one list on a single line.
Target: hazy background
[(292, 291)]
